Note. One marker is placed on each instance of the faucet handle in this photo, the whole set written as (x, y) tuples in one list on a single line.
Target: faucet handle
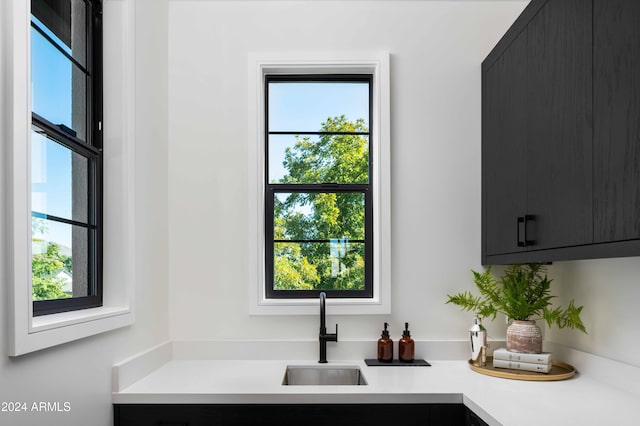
[(333, 337)]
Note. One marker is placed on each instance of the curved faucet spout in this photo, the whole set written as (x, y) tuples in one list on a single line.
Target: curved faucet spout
[(323, 310)]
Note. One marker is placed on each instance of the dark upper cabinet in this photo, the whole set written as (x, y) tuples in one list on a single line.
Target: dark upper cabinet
[(559, 134), (616, 55), (537, 137), (504, 118)]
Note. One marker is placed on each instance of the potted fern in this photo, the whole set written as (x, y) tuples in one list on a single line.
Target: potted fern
[(522, 294)]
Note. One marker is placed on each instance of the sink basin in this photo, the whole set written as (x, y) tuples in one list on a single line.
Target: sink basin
[(314, 375)]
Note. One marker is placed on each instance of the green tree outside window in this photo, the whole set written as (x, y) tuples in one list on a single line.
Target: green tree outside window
[(338, 216), (46, 265)]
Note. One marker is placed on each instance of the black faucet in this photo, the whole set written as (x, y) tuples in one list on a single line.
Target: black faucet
[(324, 337)]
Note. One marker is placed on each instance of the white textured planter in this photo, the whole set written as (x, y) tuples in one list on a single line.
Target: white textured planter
[(524, 337)]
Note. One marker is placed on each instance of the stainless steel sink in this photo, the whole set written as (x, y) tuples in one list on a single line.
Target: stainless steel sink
[(315, 375)]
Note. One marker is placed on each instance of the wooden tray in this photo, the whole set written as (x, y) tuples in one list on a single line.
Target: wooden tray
[(559, 371)]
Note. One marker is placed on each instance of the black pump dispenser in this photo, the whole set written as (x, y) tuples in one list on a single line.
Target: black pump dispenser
[(385, 332), (406, 332)]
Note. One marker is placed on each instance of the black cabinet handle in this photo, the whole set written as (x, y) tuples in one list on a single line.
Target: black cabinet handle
[(522, 222)]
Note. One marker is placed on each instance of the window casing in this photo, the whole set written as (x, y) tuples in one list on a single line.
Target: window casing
[(27, 333), (372, 63), (66, 155), (339, 264)]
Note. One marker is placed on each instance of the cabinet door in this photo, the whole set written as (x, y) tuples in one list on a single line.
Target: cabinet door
[(559, 145), (329, 415), (504, 122), (167, 415), (616, 52), (447, 415), (472, 419)]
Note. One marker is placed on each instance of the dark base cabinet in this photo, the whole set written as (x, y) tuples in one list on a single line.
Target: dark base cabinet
[(292, 415), (326, 414), (472, 419), (167, 415)]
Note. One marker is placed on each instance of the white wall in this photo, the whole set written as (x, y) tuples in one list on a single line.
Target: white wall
[(436, 51), (609, 290), (80, 372), (436, 48)]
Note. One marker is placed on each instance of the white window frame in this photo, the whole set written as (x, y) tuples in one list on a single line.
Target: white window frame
[(26, 332), (377, 64)]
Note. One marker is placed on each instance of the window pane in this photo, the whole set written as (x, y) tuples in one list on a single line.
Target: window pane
[(64, 21), (59, 87), (319, 216), (59, 262), (59, 180), (306, 106), (335, 265), (319, 159)]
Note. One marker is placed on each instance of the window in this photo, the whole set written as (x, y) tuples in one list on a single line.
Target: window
[(319, 179), (80, 156), (318, 206), (66, 155)]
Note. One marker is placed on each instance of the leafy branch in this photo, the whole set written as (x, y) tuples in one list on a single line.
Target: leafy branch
[(522, 293)]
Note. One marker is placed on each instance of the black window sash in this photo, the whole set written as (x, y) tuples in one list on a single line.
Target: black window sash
[(92, 150), (272, 188), (93, 224)]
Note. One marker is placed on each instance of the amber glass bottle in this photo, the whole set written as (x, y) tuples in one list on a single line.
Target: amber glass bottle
[(406, 346), (385, 346)]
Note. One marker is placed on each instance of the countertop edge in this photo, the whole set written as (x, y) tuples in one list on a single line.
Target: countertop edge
[(275, 398)]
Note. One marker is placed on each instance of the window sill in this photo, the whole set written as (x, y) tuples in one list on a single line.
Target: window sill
[(66, 319), (56, 329), (311, 306)]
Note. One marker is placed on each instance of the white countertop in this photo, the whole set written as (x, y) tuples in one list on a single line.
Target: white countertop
[(580, 400)]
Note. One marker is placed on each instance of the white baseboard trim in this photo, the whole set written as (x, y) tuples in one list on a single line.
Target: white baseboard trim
[(130, 370)]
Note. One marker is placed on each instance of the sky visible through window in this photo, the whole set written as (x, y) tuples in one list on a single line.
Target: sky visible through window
[(305, 106), (51, 98)]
